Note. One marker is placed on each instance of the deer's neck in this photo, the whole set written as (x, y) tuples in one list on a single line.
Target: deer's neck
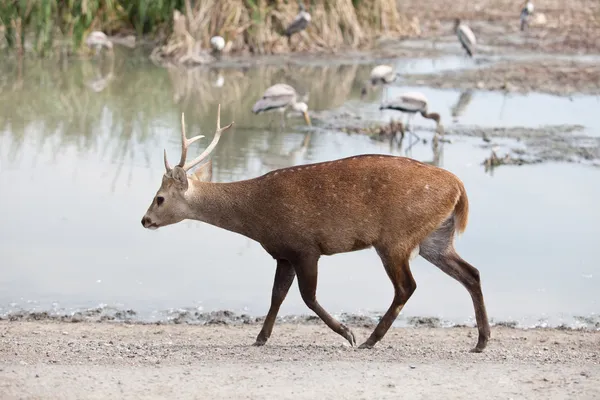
[(226, 205)]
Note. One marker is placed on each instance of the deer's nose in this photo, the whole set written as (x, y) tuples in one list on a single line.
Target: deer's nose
[(145, 221)]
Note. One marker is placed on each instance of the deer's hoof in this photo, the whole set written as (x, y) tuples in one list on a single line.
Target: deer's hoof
[(481, 345), (347, 333), (366, 345), (260, 342)]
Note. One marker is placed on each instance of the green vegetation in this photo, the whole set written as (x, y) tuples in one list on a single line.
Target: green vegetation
[(43, 26)]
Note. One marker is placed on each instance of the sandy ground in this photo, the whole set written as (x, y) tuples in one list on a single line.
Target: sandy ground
[(49, 360)]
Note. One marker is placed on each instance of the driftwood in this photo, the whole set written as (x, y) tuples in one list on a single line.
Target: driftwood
[(494, 161)]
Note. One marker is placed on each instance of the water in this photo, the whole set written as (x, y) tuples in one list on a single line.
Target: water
[(81, 159)]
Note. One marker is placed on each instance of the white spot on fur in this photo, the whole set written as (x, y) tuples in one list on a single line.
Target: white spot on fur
[(414, 253), (426, 187)]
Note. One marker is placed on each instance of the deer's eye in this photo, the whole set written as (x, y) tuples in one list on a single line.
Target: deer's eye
[(159, 200)]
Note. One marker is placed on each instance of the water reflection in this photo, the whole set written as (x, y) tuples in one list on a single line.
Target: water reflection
[(103, 75), (461, 104), (276, 157), (123, 112)]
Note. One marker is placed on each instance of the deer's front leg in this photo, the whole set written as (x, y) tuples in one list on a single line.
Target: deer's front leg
[(284, 276)]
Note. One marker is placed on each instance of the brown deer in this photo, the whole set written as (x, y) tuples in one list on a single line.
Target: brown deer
[(395, 204)]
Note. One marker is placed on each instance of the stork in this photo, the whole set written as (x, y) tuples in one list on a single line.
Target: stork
[(97, 40), (280, 97), (299, 23), (412, 103), (465, 36), (380, 75), (526, 11), (217, 43)]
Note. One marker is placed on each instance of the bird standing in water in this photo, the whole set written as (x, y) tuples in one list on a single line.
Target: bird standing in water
[(412, 103), (98, 40), (278, 98), (380, 75)]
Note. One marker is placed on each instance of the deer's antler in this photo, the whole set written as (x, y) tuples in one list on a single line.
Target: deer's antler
[(185, 143)]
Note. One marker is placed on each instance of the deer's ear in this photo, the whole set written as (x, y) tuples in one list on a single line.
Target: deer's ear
[(204, 172), (180, 176)]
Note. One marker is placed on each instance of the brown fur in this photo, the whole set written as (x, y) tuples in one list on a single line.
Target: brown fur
[(298, 214)]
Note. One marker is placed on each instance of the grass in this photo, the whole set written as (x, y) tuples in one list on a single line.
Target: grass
[(48, 27)]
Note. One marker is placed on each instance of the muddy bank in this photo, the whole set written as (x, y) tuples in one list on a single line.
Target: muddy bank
[(58, 361), (564, 78), (559, 143), (536, 145), (558, 26)]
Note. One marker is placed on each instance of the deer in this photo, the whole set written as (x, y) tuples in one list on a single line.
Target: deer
[(396, 205)]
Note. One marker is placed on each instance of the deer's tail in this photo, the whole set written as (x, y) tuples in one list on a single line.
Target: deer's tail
[(461, 211)]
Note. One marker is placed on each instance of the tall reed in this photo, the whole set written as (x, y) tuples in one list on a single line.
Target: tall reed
[(48, 27)]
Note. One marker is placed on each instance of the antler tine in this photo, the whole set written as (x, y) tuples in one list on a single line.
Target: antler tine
[(167, 166), (212, 144), (185, 142)]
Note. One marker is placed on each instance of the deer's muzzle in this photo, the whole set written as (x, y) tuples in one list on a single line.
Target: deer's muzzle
[(148, 224)]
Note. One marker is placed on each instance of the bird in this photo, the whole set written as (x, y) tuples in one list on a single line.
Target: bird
[(412, 103), (278, 98), (380, 75), (217, 43), (97, 40), (526, 11), (299, 23), (465, 36)]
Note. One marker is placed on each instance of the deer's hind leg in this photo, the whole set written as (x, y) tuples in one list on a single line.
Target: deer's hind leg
[(397, 267), (438, 249)]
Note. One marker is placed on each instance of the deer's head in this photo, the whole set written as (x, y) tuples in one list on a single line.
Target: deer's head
[(170, 206)]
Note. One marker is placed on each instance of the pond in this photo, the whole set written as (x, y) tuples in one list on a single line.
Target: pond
[(81, 159)]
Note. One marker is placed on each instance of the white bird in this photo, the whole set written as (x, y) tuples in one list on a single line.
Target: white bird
[(465, 36), (97, 40), (380, 75), (217, 43), (526, 11), (278, 98), (412, 103), (299, 23)]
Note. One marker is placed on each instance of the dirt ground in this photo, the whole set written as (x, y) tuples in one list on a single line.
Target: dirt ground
[(50, 360), (563, 78)]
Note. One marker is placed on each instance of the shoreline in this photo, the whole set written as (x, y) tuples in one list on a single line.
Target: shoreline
[(42, 360), (195, 317)]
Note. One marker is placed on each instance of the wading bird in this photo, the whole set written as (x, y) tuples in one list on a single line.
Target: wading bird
[(380, 75), (412, 103), (98, 40), (217, 43), (526, 11), (278, 98), (299, 23), (396, 205), (465, 36)]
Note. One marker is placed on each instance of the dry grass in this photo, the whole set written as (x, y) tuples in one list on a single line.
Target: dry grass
[(256, 26)]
